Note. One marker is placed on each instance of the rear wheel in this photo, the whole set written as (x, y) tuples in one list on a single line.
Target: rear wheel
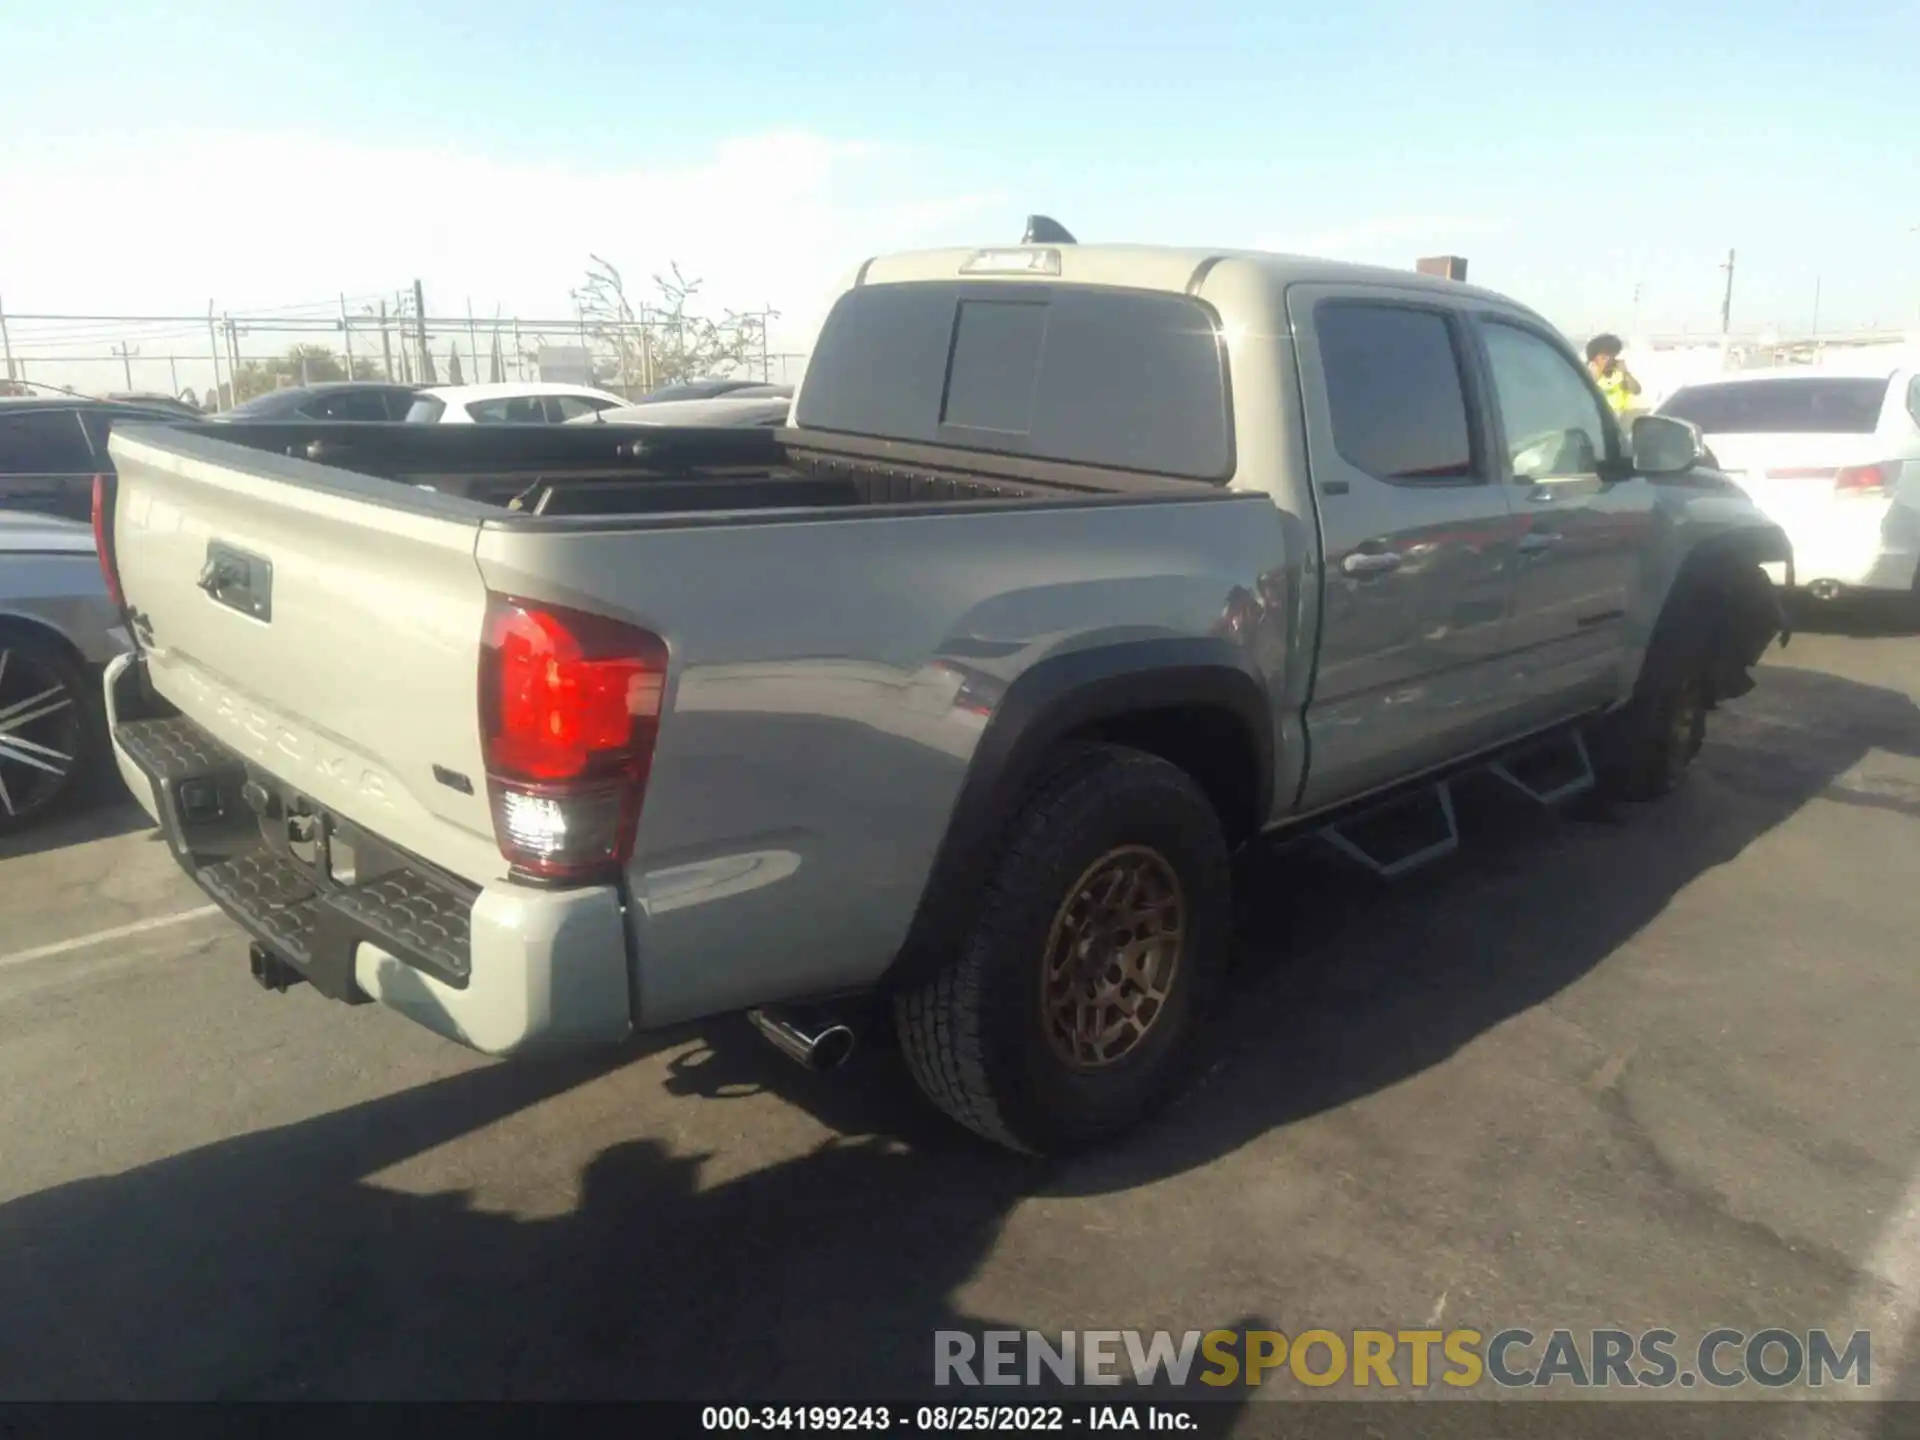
[(1069, 1009), (48, 732)]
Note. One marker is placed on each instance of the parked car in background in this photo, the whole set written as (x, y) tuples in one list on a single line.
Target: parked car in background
[(528, 402), (173, 404), (709, 389), (733, 409), (58, 627), (1832, 454), (51, 447), (330, 400)]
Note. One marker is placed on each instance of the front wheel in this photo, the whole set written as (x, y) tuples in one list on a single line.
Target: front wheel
[(1646, 749), (1070, 1007)]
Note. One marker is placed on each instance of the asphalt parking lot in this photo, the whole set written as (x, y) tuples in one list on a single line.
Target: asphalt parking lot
[(1653, 1068)]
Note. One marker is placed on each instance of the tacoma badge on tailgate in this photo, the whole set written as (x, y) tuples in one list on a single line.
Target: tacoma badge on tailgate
[(239, 580)]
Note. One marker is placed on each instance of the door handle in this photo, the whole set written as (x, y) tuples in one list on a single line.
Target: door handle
[(1540, 540), (1371, 562)]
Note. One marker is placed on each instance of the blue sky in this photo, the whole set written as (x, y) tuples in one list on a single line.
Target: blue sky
[(265, 154)]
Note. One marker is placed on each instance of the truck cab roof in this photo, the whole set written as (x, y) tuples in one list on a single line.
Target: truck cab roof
[(1177, 269)]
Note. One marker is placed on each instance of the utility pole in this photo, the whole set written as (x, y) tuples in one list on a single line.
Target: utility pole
[(233, 357), (386, 345), (473, 341), (1816, 307), (346, 336), (126, 360), (6, 342), (1726, 300), (213, 348), (420, 333)]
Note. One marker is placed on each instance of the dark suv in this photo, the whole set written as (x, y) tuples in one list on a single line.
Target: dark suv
[(51, 447), (331, 400)]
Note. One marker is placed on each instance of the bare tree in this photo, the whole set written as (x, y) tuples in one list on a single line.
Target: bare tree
[(668, 340)]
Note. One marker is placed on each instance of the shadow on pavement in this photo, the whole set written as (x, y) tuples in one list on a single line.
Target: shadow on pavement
[(94, 813), (271, 1265)]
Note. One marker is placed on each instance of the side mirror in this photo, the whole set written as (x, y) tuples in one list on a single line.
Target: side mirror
[(1663, 445)]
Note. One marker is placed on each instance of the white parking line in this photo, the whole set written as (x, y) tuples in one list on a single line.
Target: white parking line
[(100, 937)]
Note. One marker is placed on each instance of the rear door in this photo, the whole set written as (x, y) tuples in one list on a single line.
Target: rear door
[(1585, 520), (1418, 535), (46, 465)]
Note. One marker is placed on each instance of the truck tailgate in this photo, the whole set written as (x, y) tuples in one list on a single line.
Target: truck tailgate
[(326, 625)]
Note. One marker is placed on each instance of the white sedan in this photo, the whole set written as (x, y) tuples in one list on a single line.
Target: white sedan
[(526, 402), (1832, 454)]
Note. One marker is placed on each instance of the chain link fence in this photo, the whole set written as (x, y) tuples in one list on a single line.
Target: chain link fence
[(216, 360)]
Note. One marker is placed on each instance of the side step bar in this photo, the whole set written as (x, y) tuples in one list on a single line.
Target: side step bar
[(1401, 835), (1415, 828), (1557, 769)]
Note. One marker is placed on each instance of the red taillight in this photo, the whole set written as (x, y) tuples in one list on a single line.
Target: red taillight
[(1862, 480), (103, 539), (569, 709), (1845, 479)]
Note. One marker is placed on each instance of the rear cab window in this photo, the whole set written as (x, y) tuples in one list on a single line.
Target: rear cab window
[(1396, 393), (1789, 405), (1086, 375)]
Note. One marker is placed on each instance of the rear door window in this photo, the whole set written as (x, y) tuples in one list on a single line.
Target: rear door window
[(508, 410), (1791, 405), (43, 442), (562, 408), (1121, 379), (347, 405), (1394, 388)]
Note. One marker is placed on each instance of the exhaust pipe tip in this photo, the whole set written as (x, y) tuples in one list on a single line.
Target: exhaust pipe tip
[(815, 1045)]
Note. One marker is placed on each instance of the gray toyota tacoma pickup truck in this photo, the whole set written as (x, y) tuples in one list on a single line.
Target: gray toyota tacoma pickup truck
[(1077, 569)]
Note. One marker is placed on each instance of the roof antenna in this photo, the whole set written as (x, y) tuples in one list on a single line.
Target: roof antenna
[(1045, 230)]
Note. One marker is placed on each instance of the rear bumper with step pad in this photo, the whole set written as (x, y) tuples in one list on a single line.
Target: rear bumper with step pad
[(501, 967)]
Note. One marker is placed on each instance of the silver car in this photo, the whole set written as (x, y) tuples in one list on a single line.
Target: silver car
[(58, 628)]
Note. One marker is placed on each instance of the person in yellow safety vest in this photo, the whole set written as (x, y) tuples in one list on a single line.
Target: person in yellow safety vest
[(1610, 373)]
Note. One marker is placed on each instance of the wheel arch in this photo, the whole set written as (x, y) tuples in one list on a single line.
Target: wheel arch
[(1721, 604), (17, 622), (1195, 702)]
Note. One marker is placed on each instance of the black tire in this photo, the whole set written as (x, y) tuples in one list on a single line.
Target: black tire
[(985, 1038), (55, 726), (1644, 750)]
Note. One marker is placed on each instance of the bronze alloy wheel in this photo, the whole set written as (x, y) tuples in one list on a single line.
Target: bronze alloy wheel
[(1113, 954)]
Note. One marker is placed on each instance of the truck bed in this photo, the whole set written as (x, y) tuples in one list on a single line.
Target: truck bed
[(633, 471)]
